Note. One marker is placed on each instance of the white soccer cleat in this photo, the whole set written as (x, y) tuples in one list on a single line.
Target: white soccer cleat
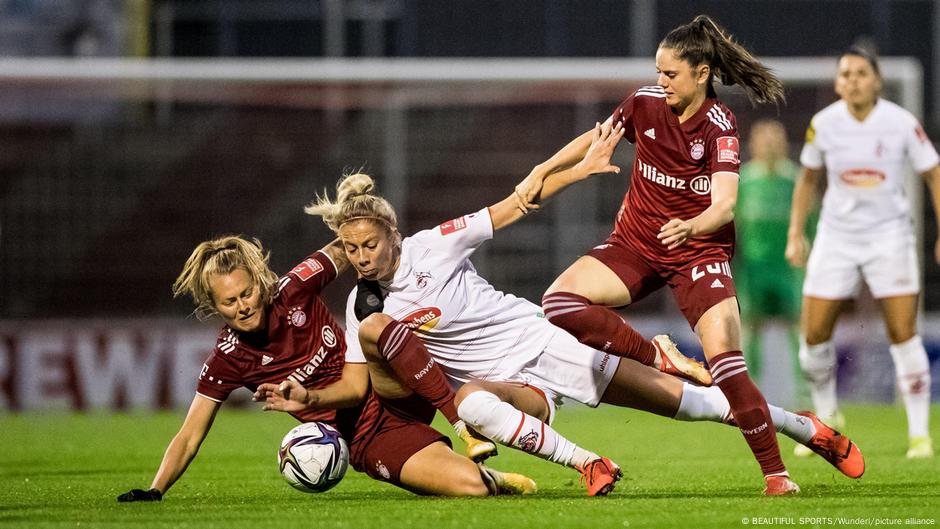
[(921, 447), (671, 361), (802, 451)]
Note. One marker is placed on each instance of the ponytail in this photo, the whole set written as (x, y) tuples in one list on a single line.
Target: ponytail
[(702, 41)]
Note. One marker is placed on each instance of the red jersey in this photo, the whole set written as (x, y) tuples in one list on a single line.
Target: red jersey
[(302, 341), (671, 176)]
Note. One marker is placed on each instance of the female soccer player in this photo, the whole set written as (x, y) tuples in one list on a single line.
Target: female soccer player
[(512, 364), (768, 287), (863, 144), (277, 329), (674, 227)]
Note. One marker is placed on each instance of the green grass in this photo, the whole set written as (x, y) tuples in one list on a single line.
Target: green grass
[(66, 470)]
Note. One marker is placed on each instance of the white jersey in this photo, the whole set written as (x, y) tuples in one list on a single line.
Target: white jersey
[(471, 329), (866, 165)]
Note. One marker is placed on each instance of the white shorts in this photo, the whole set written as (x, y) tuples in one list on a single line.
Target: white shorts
[(568, 368), (838, 264)]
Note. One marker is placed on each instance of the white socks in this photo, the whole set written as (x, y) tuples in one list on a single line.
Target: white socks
[(794, 426), (710, 404), (506, 425), (703, 404), (819, 367), (913, 378)]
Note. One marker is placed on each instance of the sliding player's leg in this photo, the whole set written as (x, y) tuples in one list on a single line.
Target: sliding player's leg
[(397, 445), (517, 415)]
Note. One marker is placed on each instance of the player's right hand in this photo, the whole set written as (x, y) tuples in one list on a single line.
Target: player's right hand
[(527, 192), (288, 396), (797, 251), (140, 495)]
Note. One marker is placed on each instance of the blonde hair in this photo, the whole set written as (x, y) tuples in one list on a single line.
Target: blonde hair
[(354, 201), (223, 256)]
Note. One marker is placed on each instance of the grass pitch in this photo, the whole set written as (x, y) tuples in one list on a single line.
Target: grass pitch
[(63, 470)]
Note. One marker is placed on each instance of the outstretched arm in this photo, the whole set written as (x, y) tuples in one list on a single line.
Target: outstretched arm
[(604, 139), (291, 397), (804, 195), (528, 191), (181, 450), (932, 177)]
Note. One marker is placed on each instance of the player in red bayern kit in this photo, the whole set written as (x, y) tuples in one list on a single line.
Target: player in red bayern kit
[(674, 227), (278, 329)]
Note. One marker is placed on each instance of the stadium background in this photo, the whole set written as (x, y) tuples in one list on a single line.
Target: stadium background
[(105, 187)]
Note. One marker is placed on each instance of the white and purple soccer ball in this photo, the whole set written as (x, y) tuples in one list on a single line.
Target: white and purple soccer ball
[(313, 457)]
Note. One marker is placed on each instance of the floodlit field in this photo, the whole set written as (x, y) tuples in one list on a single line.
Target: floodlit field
[(62, 470)]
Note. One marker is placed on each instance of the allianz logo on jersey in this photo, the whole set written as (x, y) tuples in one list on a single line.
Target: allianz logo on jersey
[(700, 185), (423, 319), (329, 340)]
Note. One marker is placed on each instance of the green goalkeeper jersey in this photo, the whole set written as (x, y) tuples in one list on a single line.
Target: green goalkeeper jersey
[(762, 215)]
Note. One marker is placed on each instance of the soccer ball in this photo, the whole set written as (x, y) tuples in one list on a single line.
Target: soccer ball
[(313, 457)]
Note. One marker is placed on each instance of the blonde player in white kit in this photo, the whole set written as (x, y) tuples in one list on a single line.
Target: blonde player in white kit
[(863, 144), (510, 364)]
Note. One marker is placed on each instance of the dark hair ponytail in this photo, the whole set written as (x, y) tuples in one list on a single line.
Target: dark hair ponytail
[(702, 41)]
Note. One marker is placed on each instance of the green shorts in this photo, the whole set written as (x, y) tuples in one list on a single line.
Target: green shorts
[(766, 291)]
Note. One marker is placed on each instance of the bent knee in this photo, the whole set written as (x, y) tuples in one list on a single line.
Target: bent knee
[(370, 329), (465, 391)]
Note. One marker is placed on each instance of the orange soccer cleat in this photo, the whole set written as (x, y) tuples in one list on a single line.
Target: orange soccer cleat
[(835, 448), (780, 486), (599, 475), (671, 361)]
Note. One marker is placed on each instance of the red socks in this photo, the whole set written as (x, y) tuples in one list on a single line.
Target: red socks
[(409, 359), (749, 409), (597, 326)]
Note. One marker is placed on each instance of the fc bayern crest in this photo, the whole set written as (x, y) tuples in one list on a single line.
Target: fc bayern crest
[(297, 317), (697, 150)]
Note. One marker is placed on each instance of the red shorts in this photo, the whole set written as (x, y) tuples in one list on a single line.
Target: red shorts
[(695, 289), (400, 430)]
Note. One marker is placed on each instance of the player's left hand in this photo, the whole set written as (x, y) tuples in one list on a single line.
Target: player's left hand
[(288, 396), (603, 143), (675, 233)]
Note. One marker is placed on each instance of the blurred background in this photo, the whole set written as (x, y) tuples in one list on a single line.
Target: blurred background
[(131, 130)]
